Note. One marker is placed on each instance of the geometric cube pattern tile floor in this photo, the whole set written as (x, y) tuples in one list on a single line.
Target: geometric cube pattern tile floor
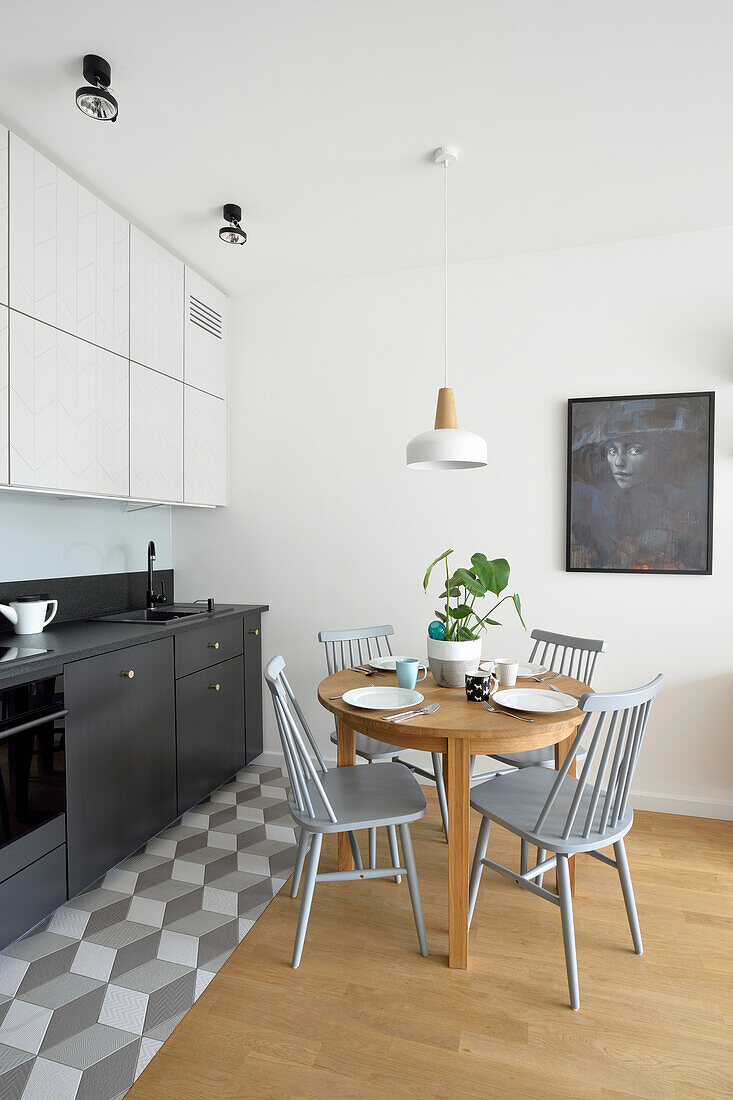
[(90, 996)]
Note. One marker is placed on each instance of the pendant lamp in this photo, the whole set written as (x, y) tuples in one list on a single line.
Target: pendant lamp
[(446, 447)]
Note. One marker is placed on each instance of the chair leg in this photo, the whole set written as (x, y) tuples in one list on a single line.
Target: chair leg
[(372, 844), (568, 928), (414, 888), (472, 761), (476, 870), (524, 858), (619, 850), (541, 857), (394, 850), (305, 903), (299, 861), (438, 772), (354, 845)]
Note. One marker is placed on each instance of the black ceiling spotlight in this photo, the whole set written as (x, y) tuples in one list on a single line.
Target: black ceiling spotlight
[(232, 233), (95, 99)]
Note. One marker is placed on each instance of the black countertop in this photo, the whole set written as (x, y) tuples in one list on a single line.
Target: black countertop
[(85, 638)]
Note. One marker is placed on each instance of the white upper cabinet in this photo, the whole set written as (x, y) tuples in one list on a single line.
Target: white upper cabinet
[(4, 182), (69, 253), (156, 435), (204, 448), (69, 412), (156, 306), (4, 397), (206, 336), (113, 354)]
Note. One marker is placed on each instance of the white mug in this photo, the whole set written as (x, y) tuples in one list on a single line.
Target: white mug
[(505, 670), (29, 614)]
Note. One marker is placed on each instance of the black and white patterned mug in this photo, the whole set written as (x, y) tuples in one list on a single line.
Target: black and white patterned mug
[(478, 686)]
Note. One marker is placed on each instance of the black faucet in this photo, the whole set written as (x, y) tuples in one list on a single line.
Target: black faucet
[(152, 599)]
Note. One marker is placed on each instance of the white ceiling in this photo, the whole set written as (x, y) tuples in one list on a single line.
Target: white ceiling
[(578, 121)]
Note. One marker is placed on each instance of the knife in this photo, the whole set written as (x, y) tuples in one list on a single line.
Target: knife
[(414, 714)]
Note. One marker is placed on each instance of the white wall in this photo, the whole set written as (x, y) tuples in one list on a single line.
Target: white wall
[(329, 381), (44, 536)]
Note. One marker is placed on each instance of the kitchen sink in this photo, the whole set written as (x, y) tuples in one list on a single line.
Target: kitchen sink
[(145, 615)]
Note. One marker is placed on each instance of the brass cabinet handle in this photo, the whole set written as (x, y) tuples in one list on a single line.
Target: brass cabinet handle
[(213, 645), (128, 673), (213, 687), (255, 631)]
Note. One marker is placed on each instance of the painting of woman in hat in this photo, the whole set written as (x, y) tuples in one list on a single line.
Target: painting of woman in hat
[(640, 484)]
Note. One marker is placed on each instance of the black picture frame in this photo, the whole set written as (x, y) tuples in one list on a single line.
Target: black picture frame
[(575, 446)]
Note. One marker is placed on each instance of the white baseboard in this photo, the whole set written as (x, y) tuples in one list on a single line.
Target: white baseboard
[(657, 803), (680, 804)]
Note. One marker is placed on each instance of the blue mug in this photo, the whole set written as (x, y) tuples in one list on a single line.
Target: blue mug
[(407, 669)]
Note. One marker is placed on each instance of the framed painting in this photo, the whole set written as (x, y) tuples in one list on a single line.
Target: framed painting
[(640, 484)]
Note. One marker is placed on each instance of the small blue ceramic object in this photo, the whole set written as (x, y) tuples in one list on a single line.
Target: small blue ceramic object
[(436, 630)]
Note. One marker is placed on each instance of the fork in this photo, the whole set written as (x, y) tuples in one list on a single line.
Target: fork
[(494, 710), (562, 691), (544, 679), (365, 671), (430, 709)]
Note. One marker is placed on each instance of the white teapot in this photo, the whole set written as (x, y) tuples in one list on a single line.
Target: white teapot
[(29, 614)]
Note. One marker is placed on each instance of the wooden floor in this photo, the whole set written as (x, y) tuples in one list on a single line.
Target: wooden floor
[(365, 1016)]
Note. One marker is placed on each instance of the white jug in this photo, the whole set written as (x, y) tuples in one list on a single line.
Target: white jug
[(29, 614)]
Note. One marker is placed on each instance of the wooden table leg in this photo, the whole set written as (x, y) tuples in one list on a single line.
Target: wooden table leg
[(458, 782), (562, 748), (346, 755)]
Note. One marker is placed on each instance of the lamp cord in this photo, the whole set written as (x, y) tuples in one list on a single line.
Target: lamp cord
[(445, 254)]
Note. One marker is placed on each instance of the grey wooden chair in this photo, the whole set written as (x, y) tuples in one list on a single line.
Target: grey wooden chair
[(570, 656), (346, 648), (568, 816), (343, 800), (576, 657)]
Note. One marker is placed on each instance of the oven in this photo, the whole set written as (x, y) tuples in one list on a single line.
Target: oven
[(32, 803), (32, 752)]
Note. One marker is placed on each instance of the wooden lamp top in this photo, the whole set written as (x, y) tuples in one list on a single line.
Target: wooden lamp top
[(445, 410)]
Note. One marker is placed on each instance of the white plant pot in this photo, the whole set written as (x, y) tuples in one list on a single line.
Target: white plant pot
[(450, 661)]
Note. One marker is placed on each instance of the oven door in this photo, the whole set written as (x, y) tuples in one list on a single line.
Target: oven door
[(32, 758)]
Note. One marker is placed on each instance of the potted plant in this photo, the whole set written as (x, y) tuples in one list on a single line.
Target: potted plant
[(454, 640)]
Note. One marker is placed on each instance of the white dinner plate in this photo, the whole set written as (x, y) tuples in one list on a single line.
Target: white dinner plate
[(541, 701), (387, 664), (525, 670), (382, 698)]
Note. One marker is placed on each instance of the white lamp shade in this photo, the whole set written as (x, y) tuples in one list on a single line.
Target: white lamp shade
[(447, 449)]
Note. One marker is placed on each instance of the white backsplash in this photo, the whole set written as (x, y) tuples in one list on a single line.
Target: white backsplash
[(43, 536)]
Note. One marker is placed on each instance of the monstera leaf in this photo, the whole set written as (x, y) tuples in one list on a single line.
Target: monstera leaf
[(494, 575), (432, 565)]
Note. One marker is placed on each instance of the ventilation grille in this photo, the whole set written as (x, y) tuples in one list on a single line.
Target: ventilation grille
[(204, 316)]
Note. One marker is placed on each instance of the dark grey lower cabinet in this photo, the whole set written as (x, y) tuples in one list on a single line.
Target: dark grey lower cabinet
[(120, 755), (253, 684), (30, 894), (210, 729)]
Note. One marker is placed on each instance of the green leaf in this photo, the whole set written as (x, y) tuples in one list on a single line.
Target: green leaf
[(441, 616), (454, 592), (432, 566), (460, 612), (465, 634), (494, 575), (518, 605), (474, 586)]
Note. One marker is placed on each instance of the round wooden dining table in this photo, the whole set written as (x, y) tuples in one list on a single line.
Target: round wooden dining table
[(458, 730)]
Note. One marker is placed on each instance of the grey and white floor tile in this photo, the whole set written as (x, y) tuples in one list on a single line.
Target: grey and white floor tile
[(88, 998)]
